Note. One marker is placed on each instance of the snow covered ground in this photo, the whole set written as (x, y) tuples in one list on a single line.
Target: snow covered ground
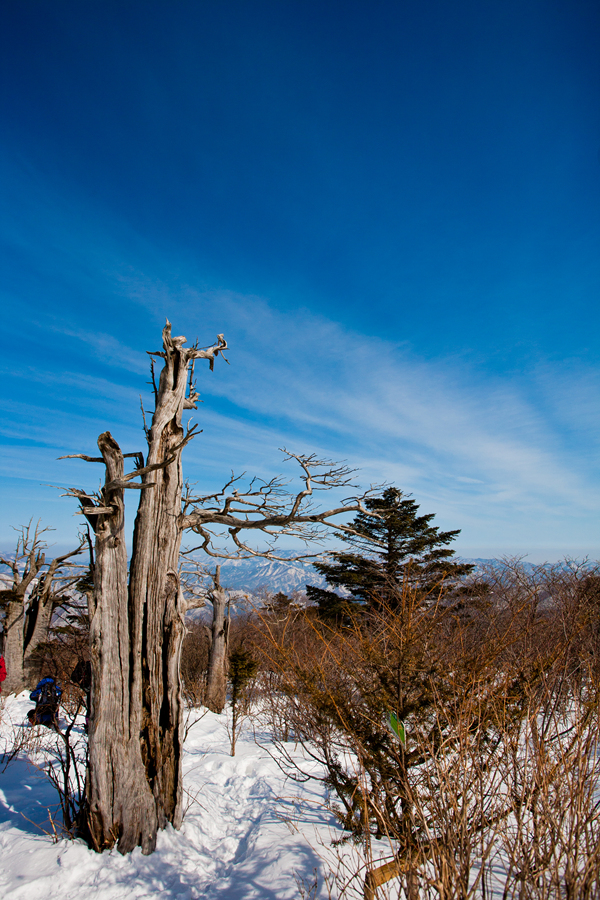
[(248, 832)]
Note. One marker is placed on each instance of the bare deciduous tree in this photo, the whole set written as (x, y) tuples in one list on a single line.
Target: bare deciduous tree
[(38, 587), (137, 619)]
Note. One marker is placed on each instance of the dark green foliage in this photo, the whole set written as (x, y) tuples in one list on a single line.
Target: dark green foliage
[(242, 669), (395, 548), (85, 585), (278, 603), (332, 607), (281, 606), (74, 619)]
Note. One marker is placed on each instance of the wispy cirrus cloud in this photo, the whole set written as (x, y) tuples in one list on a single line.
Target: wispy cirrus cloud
[(506, 458), (505, 454), (107, 348)]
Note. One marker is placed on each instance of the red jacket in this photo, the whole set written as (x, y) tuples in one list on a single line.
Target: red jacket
[(2, 670)]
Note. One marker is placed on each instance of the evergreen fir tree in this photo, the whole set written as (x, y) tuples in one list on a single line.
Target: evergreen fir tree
[(332, 607), (278, 603), (394, 547), (242, 670), (281, 606)]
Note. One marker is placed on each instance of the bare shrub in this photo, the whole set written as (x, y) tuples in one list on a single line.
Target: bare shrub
[(467, 676), (551, 841), (61, 755), (66, 770), (194, 663)]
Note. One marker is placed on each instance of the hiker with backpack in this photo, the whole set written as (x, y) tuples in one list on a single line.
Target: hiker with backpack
[(46, 696)]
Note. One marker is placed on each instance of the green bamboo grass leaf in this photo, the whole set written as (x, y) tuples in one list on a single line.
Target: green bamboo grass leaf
[(397, 727)]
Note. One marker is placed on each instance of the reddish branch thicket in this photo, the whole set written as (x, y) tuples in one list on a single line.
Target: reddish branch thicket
[(498, 689)]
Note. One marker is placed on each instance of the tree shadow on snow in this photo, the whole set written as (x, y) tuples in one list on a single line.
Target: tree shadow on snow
[(250, 880), (27, 798), (266, 866)]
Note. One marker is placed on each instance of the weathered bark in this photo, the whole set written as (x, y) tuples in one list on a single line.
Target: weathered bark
[(119, 804), (26, 627), (134, 780), (13, 646), (38, 618), (216, 681), (155, 596), (29, 555)]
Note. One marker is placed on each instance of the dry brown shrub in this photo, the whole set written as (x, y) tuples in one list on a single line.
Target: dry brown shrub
[(194, 663), (469, 677)]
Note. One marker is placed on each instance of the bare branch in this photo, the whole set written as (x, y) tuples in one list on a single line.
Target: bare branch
[(269, 508), (172, 343), (211, 353), (45, 585), (146, 430), (138, 456), (29, 557), (188, 500), (82, 456), (131, 486), (124, 481), (154, 388)]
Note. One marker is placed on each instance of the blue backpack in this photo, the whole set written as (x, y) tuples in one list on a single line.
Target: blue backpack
[(46, 696)]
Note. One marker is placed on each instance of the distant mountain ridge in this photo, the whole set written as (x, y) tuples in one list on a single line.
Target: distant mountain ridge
[(252, 575), (255, 574)]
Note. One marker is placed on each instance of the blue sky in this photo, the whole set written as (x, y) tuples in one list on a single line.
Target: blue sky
[(390, 209)]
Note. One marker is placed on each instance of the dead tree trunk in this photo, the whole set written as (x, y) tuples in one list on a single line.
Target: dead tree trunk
[(28, 562), (137, 628), (155, 596), (119, 804), (28, 606), (26, 626), (216, 680), (13, 645), (136, 625), (38, 619)]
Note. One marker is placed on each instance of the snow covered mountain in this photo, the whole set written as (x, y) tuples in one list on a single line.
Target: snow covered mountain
[(252, 575), (256, 574)]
